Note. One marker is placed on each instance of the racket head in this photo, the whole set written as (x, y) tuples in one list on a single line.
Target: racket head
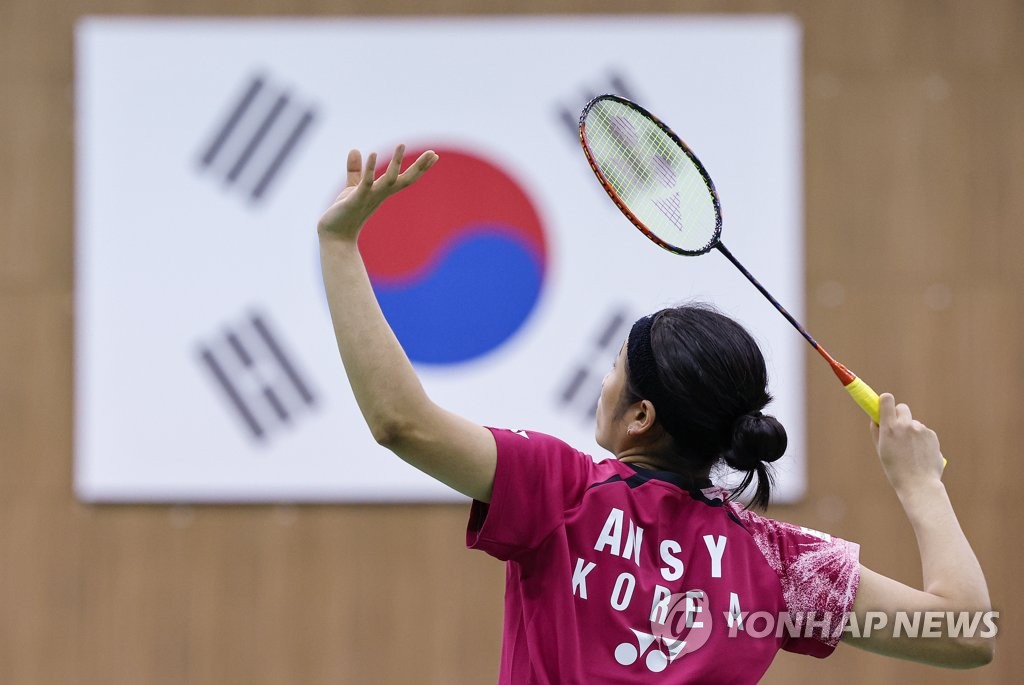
[(651, 175)]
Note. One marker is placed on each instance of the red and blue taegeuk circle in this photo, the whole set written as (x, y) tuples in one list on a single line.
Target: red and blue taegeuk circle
[(457, 260)]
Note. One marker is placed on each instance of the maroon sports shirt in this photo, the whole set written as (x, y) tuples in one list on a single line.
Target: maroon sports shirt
[(617, 574)]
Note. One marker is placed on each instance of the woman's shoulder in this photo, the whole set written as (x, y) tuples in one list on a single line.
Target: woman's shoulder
[(520, 440)]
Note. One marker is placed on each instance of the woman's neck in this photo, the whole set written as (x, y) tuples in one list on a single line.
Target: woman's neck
[(653, 462), (645, 462)]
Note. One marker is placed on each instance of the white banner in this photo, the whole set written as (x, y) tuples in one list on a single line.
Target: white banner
[(206, 368)]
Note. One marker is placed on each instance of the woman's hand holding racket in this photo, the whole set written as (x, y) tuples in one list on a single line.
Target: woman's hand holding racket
[(363, 194), (908, 449)]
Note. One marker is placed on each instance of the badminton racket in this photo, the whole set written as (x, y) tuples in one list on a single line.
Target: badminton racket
[(664, 190)]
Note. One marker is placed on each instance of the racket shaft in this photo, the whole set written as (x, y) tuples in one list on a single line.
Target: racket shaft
[(767, 295)]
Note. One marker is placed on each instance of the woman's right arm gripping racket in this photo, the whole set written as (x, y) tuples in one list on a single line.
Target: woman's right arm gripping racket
[(952, 577), (397, 410)]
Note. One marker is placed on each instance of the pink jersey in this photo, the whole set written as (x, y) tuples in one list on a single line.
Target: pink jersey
[(619, 574)]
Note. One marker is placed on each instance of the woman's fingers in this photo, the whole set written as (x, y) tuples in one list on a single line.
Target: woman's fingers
[(371, 168), (394, 166), (417, 168), (891, 413), (426, 160), (354, 168), (886, 408), (361, 176), (363, 193)]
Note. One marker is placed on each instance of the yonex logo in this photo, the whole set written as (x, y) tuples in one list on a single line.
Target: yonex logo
[(255, 140), (669, 206), (680, 624), (650, 647), (664, 171), (623, 131)]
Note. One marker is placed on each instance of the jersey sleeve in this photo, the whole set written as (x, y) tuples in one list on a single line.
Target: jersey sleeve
[(819, 574), (537, 479)]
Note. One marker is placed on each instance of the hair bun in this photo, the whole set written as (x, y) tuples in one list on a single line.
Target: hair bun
[(756, 439)]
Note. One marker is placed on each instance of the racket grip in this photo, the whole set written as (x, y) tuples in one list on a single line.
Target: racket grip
[(867, 399), (864, 396)]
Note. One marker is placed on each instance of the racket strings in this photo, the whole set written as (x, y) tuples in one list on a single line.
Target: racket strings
[(652, 176), (615, 140)]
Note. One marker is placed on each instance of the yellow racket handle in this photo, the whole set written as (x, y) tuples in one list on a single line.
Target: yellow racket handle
[(867, 399)]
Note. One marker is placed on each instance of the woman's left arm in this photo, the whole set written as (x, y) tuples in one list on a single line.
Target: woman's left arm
[(396, 408)]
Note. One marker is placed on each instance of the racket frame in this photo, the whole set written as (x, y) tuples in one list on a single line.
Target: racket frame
[(606, 184)]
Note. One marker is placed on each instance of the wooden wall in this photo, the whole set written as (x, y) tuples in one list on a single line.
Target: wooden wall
[(915, 199)]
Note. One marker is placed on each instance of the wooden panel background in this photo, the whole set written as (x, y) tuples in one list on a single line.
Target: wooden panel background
[(914, 196)]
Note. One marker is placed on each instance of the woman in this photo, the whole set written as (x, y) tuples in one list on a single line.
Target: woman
[(637, 569)]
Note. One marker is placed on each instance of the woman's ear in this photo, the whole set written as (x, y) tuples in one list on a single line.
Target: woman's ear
[(642, 418)]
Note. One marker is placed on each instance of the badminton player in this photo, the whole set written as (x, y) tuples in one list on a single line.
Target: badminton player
[(637, 568)]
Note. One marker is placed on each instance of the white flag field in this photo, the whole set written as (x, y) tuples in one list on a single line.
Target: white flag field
[(206, 366)]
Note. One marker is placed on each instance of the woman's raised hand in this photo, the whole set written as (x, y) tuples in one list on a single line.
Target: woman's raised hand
[(362, 194)]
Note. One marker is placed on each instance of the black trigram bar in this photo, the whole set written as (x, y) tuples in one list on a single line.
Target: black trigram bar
[(615, 84), (584, 383), (257, 378), (263, 128)]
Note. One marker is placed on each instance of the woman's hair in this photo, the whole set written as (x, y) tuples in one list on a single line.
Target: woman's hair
[(706, 377)]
